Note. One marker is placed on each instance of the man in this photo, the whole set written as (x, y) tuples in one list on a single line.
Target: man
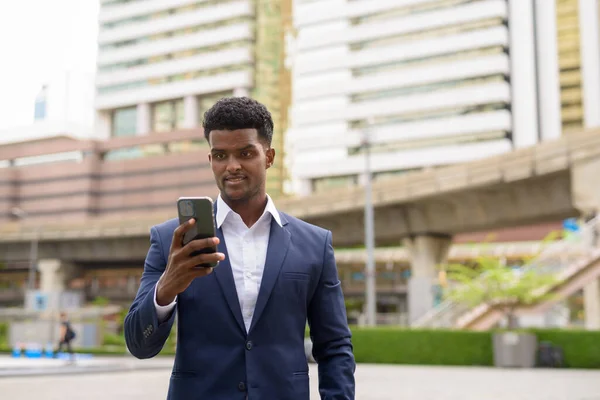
[(241, 325), (65, 337)]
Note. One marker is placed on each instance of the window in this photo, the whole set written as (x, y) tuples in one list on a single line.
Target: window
[(40, 110), (167, 115), (124, 122), (207, 101)]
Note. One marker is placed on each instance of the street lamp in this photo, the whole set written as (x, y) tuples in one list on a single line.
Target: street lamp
[(33, 250), (370, 291)]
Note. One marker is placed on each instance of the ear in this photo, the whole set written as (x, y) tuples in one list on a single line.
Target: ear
[(209, 157), (270, 157)]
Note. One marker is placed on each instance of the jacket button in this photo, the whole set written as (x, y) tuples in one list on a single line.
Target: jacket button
[(242, 387), (249, 345)]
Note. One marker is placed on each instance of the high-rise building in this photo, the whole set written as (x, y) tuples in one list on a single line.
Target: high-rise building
[(163, 63), (579, 59), (429, 82)]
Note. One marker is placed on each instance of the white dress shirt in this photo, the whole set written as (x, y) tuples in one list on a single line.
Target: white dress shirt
[(247, 251)]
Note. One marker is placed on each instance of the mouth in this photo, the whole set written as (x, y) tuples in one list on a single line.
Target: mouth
[(234, 179)]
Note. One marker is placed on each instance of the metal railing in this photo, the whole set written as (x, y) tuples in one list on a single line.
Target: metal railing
[(556, 258)]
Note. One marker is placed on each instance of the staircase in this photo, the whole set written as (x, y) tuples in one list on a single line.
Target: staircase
[(575, 260)]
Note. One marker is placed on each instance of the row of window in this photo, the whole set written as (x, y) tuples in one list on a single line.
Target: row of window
[(174, 78), (178, 32), (174, 55), (165, 116), (161, 14), (412, 9)]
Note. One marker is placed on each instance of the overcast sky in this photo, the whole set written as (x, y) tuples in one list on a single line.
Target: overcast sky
[(38, 37)]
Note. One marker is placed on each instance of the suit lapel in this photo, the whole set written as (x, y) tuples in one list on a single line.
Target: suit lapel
[(279, 241), (224, 276)]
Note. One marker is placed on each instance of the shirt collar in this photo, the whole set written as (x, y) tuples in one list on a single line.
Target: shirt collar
[(223, 211)]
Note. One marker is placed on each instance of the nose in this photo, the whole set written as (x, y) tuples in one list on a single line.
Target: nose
[(233, 165)]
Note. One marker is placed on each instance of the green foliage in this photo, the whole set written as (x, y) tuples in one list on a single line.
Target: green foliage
[(113, 340), (422, 347), (439, 347), (492, 282), (354, 305), (100, 301), (3, 334), (581, 349)]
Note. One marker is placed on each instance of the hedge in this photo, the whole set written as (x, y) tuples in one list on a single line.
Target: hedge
[(389, 345), (423, 347), (3, 334), (581, 348)]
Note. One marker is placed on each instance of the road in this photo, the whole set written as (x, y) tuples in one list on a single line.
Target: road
[(373, 383)]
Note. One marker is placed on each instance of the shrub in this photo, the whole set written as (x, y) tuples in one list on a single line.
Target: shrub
[(424, 347)]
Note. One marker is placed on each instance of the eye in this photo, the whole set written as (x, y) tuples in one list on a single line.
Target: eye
[(246, 154), (219, 156)]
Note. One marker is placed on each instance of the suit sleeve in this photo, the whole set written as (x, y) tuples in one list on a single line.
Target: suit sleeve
[(144, 334), (330, 334)]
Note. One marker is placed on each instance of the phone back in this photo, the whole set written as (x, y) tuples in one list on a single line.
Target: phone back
[(201, 209)]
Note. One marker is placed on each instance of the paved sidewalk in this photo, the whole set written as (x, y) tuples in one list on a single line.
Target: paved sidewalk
[(374, 382), (13, 367)]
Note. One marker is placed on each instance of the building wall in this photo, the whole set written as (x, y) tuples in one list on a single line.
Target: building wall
[(431, 82), (97, 184)]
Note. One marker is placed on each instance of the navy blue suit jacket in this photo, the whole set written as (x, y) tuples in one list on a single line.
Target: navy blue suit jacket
[(215, 358)]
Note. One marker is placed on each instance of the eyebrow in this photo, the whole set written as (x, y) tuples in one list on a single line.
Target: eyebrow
[(248, 147)]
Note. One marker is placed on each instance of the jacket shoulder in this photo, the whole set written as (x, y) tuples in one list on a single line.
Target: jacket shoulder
[(167, 227), (301, 225)]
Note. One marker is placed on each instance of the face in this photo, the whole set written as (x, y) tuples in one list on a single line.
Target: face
[(239, 160)]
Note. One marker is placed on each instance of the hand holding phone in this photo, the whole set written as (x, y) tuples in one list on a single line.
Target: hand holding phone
[(201, 209), (193, 254)]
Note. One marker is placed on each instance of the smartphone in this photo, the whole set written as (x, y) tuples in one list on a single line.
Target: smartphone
[(202, 210)]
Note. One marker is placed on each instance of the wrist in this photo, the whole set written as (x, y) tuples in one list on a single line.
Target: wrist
[(164, 297)]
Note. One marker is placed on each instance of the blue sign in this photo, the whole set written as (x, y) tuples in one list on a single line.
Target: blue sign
[(40, 302), (571, 225)]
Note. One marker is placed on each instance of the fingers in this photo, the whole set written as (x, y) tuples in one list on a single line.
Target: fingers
[(200, 272), (180, 231), (202, 259), (200, 244)]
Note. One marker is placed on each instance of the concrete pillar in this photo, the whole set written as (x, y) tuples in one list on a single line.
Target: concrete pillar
[(523, 76), (190, 112), (54, 275), (590, 61), (144, 119), (548, 69), (591, 304), (426, 253), (241, 92)]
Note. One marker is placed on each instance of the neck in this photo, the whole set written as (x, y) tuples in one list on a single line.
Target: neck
[(249, 209)]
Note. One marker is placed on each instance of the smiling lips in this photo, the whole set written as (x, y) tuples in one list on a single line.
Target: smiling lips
[(234, 179)]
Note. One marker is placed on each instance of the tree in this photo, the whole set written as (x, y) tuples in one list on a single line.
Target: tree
[(506, 289)]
